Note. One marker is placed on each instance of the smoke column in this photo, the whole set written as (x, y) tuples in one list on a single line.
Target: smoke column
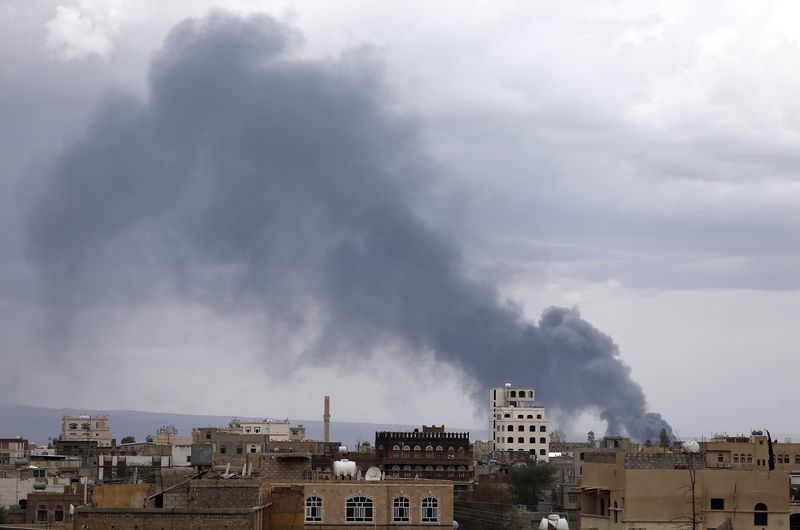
[(251, 179)]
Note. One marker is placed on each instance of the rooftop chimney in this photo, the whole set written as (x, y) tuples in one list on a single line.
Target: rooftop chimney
[(326, 420)]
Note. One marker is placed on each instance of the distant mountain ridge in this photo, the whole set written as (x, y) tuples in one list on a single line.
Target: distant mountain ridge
[(37, 424)]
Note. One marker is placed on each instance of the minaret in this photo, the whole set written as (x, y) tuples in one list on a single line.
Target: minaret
[(326, 420)]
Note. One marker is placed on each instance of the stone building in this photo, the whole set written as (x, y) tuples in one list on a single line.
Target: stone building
[(653, 490), (13, 451), (51, 507), (85, 427), (517, 423), (432, 453)]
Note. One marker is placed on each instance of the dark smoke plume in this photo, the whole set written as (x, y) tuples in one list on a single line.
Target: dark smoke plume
[(251, 179)]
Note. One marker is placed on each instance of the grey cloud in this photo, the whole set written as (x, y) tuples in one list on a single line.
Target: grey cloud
[(249, 179)]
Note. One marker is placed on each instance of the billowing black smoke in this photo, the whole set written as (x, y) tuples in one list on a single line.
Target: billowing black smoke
[(251, 179)]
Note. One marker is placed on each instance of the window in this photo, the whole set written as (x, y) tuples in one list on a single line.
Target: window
[(720, 458), (760, 516), (41, 514), (542, 440), (58, 515), (543, 428), (430, 510), (395, 470), (401, 510), (717, 504), (532, 440), (736, 459), (239, 450), (253, 449), (538, 416), (510, 439), (520, 428), (532, 428), (615, 514), (86, 426), (40, 473), (520, 417), (313, 510), (530, 416), (506, 415), (73, 425), (257, 430), (513, 393), (530, 393), (358, 510), (797, 459), (188, 458), (521, 440), (749, 459), (247, 429), (543, 452), (223, 450)]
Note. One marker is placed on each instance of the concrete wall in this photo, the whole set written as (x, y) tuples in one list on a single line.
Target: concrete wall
[(121, 495), (12, 489), (160, 519)]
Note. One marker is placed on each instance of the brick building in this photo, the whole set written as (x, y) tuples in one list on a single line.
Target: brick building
[(432, 453)]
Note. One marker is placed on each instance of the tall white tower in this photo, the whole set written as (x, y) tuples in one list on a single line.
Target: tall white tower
[(516, 423)]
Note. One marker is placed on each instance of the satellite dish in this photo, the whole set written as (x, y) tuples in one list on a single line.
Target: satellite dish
[(373, 473)]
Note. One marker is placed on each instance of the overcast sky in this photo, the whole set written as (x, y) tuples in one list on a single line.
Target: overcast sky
[(637, 161)]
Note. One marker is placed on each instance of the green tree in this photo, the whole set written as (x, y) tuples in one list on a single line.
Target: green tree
[(128, 440), (487, 507), (529, 481)]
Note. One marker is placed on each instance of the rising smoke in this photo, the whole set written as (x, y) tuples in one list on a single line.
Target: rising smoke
[(253, 179)]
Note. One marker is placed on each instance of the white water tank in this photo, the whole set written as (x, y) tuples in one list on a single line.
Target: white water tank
[(690, 446), (554, 521), (344, 468)]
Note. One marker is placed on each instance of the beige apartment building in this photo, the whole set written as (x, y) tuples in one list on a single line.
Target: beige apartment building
[(87, 428), (655, 491)]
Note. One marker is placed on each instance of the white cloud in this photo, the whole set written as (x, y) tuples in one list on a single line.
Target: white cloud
[(82, 30)]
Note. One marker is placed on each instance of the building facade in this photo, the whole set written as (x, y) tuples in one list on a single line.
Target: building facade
[(517, 423), (86, 428), (668, 490), (432, 453)]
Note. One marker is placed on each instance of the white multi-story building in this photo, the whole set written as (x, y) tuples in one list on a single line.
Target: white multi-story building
[(516, 423)]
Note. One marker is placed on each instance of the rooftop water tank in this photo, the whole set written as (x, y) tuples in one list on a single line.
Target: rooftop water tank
[(344, 468)]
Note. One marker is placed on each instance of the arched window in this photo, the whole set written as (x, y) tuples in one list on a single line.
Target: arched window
[(532, 440), (543, 428), (460, 452), (510, 439), (313, 509), (73, 425), (513, 393), (430, 510), (428, 451), (58, 515), (521, 440), (529, 416), (506, 415), (760, 516), (532, 428), (614, 513), (417, 450), (406, 448), (401, 510), (530, 393), (396, 451), (542, 440), (439, 451), (358, 510), (542, 452), (521, 428), (41, 514), (461, 470), (451, 471), (520, 417), (395, 470), (247, 429), (407, 471), (257, 429)]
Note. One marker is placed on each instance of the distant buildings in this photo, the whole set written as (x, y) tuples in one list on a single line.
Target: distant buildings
[(86, 428), (516, 423)]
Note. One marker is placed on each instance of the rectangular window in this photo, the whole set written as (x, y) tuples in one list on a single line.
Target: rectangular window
[(720, 458), (223, 450), (717, 504)]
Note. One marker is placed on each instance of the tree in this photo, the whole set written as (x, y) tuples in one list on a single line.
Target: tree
[(128, 440), (528, 481), (663, 437), (557, 436), (2, 514), (487, 507)]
